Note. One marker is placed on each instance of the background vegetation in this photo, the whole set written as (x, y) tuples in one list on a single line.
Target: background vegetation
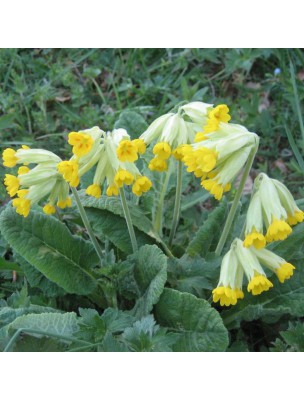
[(46, 93)]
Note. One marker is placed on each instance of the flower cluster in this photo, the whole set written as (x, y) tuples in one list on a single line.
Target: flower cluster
[(113, 153), (32, 185), (240, 261), (219, 157), (273, 207)]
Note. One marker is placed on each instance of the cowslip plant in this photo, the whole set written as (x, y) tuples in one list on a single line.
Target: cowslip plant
[(120, 174)]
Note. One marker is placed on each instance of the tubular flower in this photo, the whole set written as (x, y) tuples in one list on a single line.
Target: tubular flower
[(254, 224), (219, 159), (141, 185), (49, 209), (157, 164), (272, 206), (25, 155), (112, 190), (69, 170), (23, 170), (9, 158), (42, 181), (12, 184), (123, 177), (81, 142), (294, 214), (113, 154), (215, 116), (94, 190), (174, 130), (229, 288), (127, 151), (141, 146), (257, 280), (240, 261), (278, 265)]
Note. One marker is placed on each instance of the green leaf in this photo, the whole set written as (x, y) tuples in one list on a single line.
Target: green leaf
[(143, 278), (294, 336), (293, 247), (286, 298), (209, 232), (6, 121), (37, 280), (133, 122), (145, 335), (9, 314), (199, 326), (47, 324), (107, 219), (9, 266), (47, 244), (42, 345), (193, 275)]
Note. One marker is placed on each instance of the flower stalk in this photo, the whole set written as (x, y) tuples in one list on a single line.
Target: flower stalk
[(178, 193), (128, 219), (236, 200), (87, 225)]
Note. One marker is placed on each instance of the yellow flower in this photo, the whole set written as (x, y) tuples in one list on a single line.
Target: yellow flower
[(157, 164), (141, 185), (229, 288), (259, 284), (123, 177), (216, 189), (9, 158), (25, 155), (49, 209), (218, 159), (240, 261), (295, 217), (94, 190), (23, 170), (81, 142), (200, 136), (278, 230), (12, 184), (278, 265), (67, 202), (215, 116), (69, 170), (255, 239), (140, 145), (112, 190), (22, 206), (162, 150), (272, 206), (127, 151)]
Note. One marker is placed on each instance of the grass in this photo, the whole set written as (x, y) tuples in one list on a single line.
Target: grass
[(46, 93)]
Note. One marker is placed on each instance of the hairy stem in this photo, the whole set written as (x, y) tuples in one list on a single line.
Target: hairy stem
[(128, 219), (178, 194), (87, 225), (236, 200), (158, 220)]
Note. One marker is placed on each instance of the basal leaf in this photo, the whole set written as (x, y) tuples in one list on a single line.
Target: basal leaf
[(47, 244), (47, 324), (133, 122), (107, 220), (143, 278), (208, 233), (286, 298), (199, 326)]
